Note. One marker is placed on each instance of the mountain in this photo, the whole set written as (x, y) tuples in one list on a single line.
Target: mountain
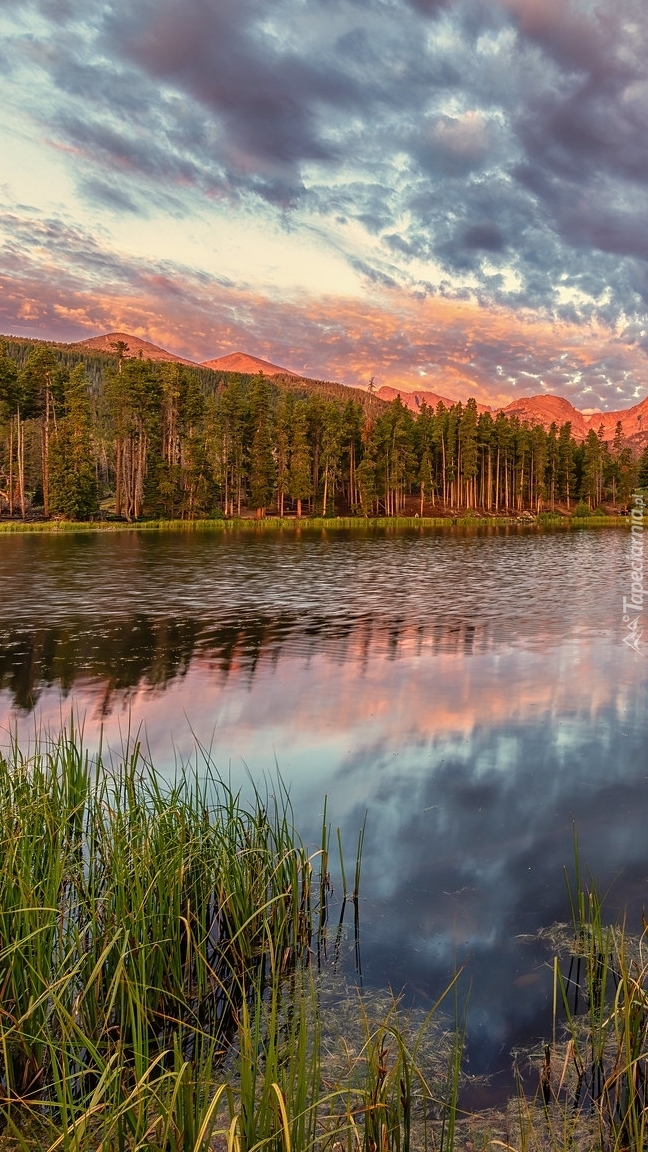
[(543, 409), (634, 421), (413, 400), (241, 362), (134, 347), (546, 410)]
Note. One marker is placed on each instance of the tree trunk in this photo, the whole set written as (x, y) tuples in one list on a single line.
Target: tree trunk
[(20, 432), (11, 453), (46, 454)]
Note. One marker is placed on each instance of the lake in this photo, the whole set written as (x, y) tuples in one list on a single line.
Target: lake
[(470, 690)]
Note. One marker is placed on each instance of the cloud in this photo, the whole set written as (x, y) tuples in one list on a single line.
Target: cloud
[(454, 347), (496, 153)]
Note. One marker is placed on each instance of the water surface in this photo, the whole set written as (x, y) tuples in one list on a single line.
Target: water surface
[(469, 690)]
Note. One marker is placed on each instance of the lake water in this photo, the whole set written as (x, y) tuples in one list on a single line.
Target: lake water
[(469, 690)]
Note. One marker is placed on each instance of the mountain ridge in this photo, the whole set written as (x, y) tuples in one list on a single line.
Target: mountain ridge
[(243, 362), (544, 408), (134, 345)]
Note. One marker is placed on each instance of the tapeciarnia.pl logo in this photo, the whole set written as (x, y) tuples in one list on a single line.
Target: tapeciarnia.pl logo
[(633, 605)]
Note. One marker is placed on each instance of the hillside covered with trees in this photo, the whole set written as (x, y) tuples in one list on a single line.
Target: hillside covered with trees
[(83, 435)]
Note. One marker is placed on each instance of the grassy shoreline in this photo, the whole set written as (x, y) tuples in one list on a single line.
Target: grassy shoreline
[(319, 523), (160, 955)]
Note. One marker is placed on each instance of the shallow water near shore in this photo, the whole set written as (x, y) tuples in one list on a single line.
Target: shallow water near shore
[(469, 689)]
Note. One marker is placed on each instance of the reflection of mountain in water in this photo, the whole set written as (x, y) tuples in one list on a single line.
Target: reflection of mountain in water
[(143, 650)]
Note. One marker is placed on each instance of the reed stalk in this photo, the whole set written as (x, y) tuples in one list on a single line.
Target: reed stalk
[(156, 984)]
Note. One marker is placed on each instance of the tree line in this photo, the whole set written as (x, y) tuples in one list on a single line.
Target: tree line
[(155, 439)]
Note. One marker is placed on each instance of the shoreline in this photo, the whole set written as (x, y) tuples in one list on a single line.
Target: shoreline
[(319, 523)]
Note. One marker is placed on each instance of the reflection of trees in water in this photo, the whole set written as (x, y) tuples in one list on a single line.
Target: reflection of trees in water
[(120, 655), (142, 650)]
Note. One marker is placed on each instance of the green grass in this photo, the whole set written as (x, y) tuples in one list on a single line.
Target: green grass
[(157, 984), (592, 1077), (274, 523), (164, 987)]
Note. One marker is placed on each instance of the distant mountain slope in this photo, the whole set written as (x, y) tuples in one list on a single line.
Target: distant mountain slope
[(135, 346), (634, 421), (413, 400), (546, 410), (241, 362), (543, 409)]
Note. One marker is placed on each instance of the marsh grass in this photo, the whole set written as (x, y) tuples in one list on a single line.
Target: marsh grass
[(157, 989), (592, 1078), (292, 525)]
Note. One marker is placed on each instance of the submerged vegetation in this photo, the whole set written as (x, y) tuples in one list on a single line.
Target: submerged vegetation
[(593, 1076), (83, 436), (166, 987)]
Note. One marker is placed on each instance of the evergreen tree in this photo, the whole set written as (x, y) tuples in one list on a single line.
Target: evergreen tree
[(232, 422), (485, 449), (591, 479), (300, 466), (134, 397), (10, 415), (552, 464), (642, 469), (566, 464), (263, 473), (367, 482), (468, 450), (538, 467), (502, 450), (352, 418), (330, 453), (73, 486), (41, 382), (283, 421), (424, 441)]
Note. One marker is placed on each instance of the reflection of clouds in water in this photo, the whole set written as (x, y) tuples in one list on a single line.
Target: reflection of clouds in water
[(461, 860), (460, 690)]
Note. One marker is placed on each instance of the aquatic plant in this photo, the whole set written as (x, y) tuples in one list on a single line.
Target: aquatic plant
[(157, 989), (593, 1076)]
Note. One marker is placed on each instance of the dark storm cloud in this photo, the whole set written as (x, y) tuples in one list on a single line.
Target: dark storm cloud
[(264, 93), (496, 149)]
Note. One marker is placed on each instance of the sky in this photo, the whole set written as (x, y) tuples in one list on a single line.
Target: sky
[(438, 194)]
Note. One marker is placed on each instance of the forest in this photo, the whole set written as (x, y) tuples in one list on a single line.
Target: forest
[(99, 435)]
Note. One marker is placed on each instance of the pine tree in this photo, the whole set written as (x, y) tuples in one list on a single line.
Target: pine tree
[(331, 453), (10, 414), (566, 464), (263, 472), (41, 382), (552, 464), (468, 448), (591, 475), (300, 467), (283, 421), (485, 445), (134, 398), (425, 451), (502, 451), (232, 422), (538, 465), (642, 469), (73, 486)]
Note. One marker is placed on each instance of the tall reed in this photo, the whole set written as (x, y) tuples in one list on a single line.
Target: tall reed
[(156, 990), (593, 1086)]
